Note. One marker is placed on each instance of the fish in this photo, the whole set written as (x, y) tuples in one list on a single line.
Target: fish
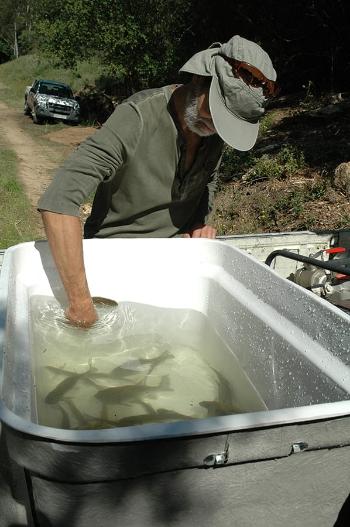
[(65, 424), (216, 408), (119, 394), (102, 301), (133, 420), (154, 417), (64, 386), (224, 389), (92, 371), (129, 368), (224, 404), (74, 410), (132, 367), (168, 415), (94, 423), (166, 355), (86, 421)]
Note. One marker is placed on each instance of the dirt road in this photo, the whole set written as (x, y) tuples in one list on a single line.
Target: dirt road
[(37, 161), (34, 160)]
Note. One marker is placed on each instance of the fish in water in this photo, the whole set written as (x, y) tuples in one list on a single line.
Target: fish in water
[(101, 301), (78, 416), (224, 404), (224, 389), (216, 408), (65, 424), (86, 421), (95, 423), (134, 366), (120, 394), (161, 415), (67, 384), (171, 415)]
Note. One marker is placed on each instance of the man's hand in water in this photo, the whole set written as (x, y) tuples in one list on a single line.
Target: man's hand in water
[(82, 315)]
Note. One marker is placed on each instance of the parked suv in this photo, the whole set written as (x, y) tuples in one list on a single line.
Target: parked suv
[(51, 100)]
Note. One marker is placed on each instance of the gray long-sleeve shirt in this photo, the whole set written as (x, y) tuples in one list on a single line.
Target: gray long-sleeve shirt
[(136, 161)]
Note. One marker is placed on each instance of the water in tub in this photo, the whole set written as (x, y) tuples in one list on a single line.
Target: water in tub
[(139, 364)]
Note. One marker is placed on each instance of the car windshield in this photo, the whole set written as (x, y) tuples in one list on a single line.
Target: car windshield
[(56, 90)]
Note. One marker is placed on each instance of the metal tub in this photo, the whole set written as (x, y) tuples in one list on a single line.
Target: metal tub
[(238, 469)]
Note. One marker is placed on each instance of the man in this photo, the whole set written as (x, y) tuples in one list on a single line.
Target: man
[(154, 162)]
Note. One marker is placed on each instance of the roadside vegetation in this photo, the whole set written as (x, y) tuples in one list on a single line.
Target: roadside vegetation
[(17, 221), (287, 182), (106, 50)]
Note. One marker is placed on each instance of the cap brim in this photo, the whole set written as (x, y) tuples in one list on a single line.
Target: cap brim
[(237, 133)]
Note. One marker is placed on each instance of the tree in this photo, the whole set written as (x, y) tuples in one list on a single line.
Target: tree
[(144, 42), (138, 41), (15, 18)]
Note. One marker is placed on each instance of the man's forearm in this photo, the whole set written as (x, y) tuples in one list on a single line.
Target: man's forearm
[(65, 239)]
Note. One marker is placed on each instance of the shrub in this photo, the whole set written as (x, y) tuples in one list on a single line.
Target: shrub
[(286, 162), (235, 163)]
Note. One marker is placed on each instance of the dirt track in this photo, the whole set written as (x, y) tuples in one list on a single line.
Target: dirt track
[(36, 161)]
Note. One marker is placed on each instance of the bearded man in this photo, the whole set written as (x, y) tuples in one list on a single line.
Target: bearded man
[(154, 163)]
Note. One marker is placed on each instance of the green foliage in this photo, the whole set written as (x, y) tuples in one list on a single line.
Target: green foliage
[(15, 20), (5, 49), (316, 190), (310, 100), (266, 123), (285, 163), (138, 41), (268, 166), (144, 41), (16, 218), (235, 163)]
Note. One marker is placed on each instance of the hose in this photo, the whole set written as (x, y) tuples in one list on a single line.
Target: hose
[(330, 265)]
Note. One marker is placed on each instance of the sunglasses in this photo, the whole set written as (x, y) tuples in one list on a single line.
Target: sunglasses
[(252, 76)]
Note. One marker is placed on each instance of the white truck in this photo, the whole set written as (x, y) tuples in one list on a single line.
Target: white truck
[(47, 99)]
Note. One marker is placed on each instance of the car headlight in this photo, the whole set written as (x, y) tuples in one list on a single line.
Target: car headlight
[(41, 101), (76, 106)]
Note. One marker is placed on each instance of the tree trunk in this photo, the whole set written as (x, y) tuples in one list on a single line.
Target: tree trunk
[(15, 46)]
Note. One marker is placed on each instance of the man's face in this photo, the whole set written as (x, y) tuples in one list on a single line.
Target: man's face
[(197, 113)]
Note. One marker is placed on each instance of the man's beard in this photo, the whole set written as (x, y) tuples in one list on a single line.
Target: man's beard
[(191, 117)]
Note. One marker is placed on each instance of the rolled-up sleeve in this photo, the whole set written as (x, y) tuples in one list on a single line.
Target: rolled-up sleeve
[(96, 160)]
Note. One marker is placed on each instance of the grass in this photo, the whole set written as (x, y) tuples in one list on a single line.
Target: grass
[(17, 221), (19, 73)]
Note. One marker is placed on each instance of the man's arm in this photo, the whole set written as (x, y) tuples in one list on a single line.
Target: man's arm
[(96, 160), (65, 239)]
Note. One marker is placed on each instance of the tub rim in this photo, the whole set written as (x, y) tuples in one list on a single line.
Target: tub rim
[(179, 429)]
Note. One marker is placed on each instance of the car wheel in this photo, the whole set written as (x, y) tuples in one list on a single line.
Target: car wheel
[(36, 119), (27, 110)]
